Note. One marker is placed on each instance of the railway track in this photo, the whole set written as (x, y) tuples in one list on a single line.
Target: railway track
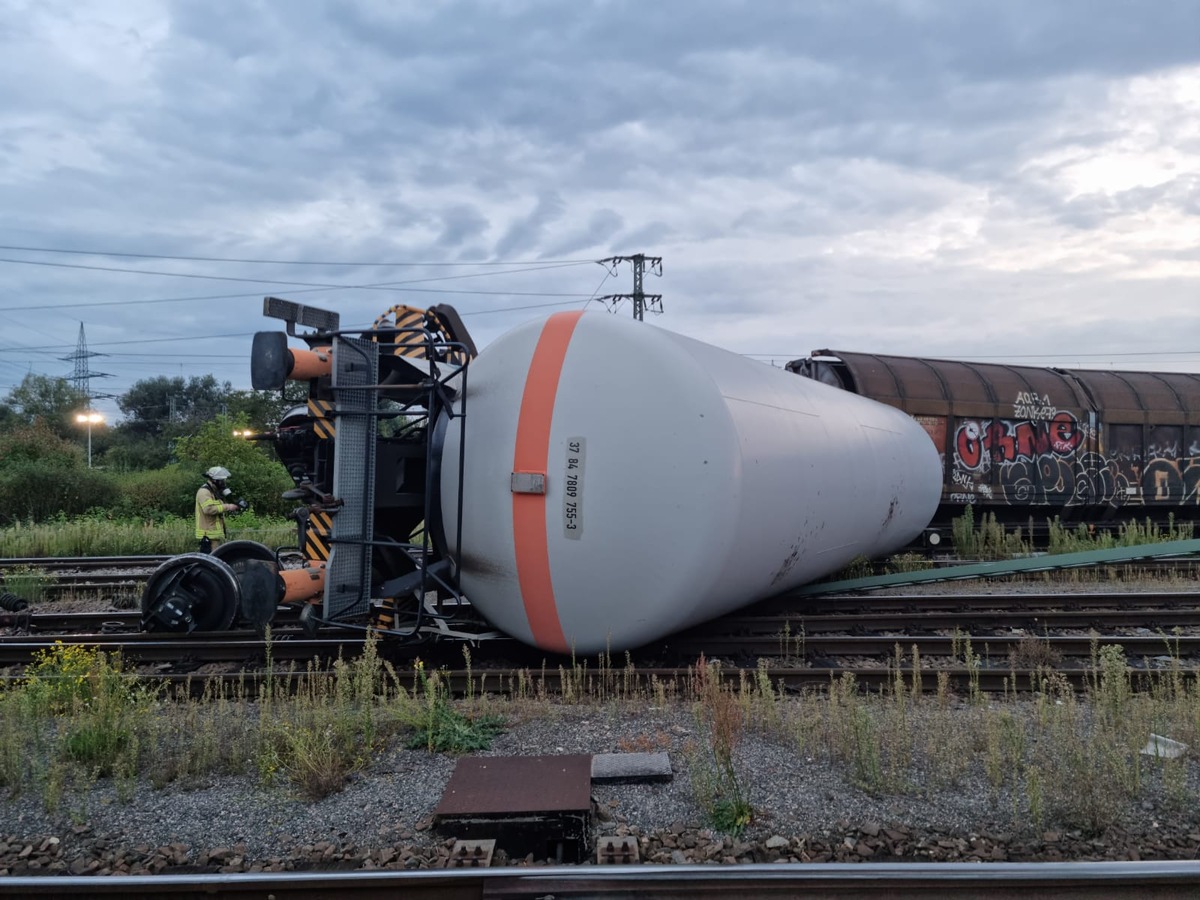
[(980, 638), (914, 612), (623, 682), (985, 881), (117, 579), (992, 650), (97, 576), (796, 660), (79, 563)]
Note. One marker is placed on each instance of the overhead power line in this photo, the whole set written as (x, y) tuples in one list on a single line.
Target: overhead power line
[(239, 296), (290, 262), (168, 340), (378, 286)]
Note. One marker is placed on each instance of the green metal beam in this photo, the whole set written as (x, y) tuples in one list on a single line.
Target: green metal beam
[(1046, 563)]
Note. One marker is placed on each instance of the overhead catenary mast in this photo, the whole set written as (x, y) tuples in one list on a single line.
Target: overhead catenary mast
[(639, 297)]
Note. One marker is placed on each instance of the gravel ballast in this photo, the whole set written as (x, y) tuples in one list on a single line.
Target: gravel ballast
[(805, 810)]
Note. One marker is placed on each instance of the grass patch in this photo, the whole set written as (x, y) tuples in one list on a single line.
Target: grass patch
[(439, 727), (103, 536), (27, 582), (990, 540), (719, 787), (1046, 755)]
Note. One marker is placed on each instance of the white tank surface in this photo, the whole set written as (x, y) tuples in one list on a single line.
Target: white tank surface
[(622, 482)]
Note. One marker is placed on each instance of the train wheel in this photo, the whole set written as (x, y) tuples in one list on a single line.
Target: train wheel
[(262, 590), (256, 569), (192, 592), (236, 554), (308, 620)]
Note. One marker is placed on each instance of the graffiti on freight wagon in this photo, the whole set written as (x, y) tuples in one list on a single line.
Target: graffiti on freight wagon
[(1051, 456), (1034, 462), (981, 442)]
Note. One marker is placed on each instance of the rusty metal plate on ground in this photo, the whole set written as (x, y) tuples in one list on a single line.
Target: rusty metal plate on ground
[(501, 785)]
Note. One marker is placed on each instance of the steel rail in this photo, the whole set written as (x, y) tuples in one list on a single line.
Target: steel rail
[(1135, 645), (868, 610), (959, 678), (152, 647), (1167, 566), (103, 621), (1166, 880), (623, 682), (54, 563), (994, 653), (228, 646), (965, 620), (1155, 615), (879, 602)]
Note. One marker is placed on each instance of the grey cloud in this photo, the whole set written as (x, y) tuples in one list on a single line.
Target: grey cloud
[(1092, 210), (650, 235), (524, 234), (461, 223), (441, 120), (597, 231)]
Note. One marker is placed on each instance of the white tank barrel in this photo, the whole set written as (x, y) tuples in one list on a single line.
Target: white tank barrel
[(622, 482)]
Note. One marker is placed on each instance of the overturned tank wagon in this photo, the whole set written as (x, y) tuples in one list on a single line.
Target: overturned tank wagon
[(585, 483)]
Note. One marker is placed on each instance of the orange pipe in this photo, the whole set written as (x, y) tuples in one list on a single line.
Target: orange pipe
[(308, 364), (305, 584)]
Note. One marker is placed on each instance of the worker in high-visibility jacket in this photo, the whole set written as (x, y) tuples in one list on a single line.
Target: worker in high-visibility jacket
[(212, 502)]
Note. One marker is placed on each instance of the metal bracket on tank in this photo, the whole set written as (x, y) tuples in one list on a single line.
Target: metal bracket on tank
[(528, 483)]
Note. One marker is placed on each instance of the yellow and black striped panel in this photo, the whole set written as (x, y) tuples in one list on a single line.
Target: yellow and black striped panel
[(316, 536), (385, 615), (321, 412), (455, 356), (409, 340)]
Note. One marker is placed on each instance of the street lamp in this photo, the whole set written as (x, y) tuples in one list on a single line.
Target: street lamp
[(91, 418)]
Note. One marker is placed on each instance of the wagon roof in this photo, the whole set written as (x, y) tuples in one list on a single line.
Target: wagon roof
[(903, 379)]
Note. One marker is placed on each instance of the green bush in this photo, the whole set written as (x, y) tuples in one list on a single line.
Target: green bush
[(909, 562), (257, 476), (439, 726), (39, 491), (159, 493), (127, 452), (988, 540), (38, 444)]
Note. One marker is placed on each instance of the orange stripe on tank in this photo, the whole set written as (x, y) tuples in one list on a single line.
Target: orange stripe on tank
[(532, 453)]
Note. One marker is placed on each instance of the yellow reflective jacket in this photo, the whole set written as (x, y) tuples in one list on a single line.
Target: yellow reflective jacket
[(210, 514)]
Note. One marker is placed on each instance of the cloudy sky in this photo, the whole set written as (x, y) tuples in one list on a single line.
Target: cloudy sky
[(1013, 180)]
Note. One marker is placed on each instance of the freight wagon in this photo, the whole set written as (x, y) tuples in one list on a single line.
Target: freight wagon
[(1022, 441)]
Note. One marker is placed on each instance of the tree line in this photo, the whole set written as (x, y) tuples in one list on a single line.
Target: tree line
[(156, 413), (149, 464)]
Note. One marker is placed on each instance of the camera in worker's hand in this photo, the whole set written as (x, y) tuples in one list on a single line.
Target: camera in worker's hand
[(241, 504)]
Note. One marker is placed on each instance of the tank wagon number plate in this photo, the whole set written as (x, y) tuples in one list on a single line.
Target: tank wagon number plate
[(573, 488)]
